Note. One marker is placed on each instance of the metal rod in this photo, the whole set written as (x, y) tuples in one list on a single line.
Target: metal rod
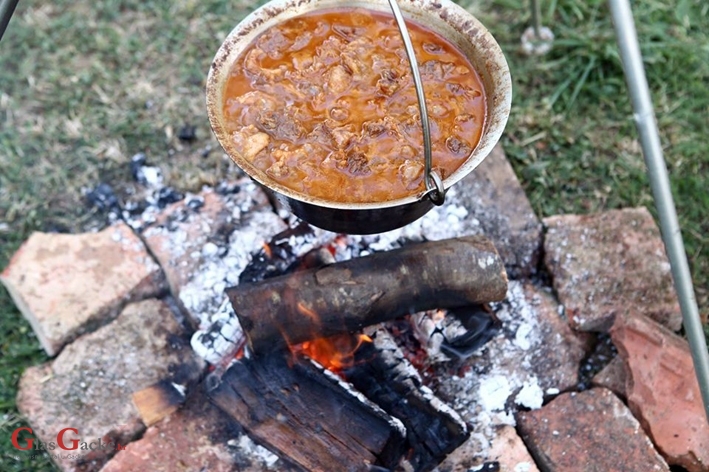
[(536, 19), (7, 8), (434, 184), (659, 181)]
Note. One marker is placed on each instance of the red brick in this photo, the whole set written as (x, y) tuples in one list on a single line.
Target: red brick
[(499, 209), (89, 386), (610, 263), (591, 431), (67, 284), (506, 449), (662, 390), (613, 377), (196, 438)]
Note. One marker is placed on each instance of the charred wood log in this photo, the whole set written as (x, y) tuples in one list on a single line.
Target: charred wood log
[(386, 377), (307, 414), (347, 296)]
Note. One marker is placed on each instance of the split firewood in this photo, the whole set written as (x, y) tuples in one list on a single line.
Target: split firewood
[(307, 414), (158, 401), (348, 296), (383, 374)]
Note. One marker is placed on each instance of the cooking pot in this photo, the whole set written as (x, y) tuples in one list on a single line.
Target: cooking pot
[(442, 16)]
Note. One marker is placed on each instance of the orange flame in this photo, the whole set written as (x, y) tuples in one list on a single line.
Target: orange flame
[(334, 353)]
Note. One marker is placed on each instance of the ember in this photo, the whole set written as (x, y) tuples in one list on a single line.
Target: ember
[(334, 353)]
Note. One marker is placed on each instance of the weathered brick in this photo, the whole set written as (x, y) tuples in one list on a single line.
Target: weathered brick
[(68, 284), (196, 438), (610, 263), (498, 208), (203, 249), (90, 383), (613, 377), (534, 356), (507, 452), (663, 391), (591, 431)]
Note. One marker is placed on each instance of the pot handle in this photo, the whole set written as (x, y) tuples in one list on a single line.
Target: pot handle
[(434, 184)]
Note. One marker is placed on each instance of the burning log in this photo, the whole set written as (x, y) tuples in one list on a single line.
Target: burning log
[(347, 296), (385, 376), (307, 414)]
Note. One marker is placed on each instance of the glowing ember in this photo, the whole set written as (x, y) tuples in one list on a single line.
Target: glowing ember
[(334, 353)]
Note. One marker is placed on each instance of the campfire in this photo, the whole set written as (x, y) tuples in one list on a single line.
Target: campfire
[(309, 350), (378, 412)]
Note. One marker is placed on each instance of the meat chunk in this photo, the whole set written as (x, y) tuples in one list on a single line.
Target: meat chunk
[(249, 141), (355, 162), (339, 114), (437, 70), (343, 136), (375, 128), (389, 82), (338, 79), (458, 147), (273, 42), (348, 32), (301, 41), (411, 173)]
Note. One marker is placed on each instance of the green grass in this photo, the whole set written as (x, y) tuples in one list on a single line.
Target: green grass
[(84, 85)]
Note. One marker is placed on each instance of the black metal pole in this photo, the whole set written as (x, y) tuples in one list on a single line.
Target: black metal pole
[(7, 8)]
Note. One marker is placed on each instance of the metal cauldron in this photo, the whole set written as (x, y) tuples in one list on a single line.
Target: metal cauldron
[(441, 16)]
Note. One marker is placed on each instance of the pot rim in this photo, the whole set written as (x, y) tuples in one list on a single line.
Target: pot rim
[(443, 16)]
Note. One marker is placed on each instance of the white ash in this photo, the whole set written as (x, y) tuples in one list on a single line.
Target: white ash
[(254, 451), (222, 339), (404, 370), (204, 293), (150, 176), (498, 378)]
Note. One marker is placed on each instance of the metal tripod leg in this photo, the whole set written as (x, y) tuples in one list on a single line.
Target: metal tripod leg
[(660, 184)]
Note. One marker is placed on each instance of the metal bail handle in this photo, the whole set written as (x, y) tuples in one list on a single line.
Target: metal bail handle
[(434, 183)]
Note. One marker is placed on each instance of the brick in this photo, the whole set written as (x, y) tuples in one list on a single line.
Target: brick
[(534, 356), (613, 377), (90, 383), (591, 431), (560, 350), (499, 209), (610, 263), (179, 234), (662, 390), (68, 284), (506, 450), (197, 437), (203, 249), (509, 451)]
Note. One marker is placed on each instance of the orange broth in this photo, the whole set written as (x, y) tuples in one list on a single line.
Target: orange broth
[(325, 105)]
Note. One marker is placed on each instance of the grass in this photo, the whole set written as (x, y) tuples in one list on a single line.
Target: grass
[(85, 85)]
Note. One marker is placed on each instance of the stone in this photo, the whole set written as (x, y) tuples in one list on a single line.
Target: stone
[(610, 263), (205, 241), (495, 199), (535, 356), (507, 450), (590, 431), (662, 390), (613, 377), (90, 383), (195, 438), (69, 284), (178, 236)]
